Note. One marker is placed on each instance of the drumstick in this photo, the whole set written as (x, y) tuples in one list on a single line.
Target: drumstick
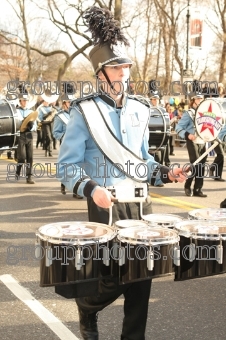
[(201, 157), (206, 152)]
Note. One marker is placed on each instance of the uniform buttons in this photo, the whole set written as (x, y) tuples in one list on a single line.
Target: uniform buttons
[(123, 131)]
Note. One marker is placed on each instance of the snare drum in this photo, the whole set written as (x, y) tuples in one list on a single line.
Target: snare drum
[(144, 253), (208, 214), (162, 220), (202, 249), (9, 125), (71, 252)]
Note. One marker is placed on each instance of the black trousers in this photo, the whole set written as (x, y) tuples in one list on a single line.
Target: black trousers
[(47, 137), (136, 294), (194, 151), (25, 152), (39, 138), (218, 160)]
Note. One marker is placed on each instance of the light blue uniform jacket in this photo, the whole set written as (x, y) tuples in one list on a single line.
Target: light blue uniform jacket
[(79, 156), (59, 127), (23, 113), (43, 111), (184, 125)]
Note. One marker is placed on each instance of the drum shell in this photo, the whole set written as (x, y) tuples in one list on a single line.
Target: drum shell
[(135, 267), (63, 270), (9, 125), (159, 128), (203, 264)]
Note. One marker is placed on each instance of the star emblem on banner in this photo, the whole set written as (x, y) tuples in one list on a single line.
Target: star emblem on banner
[(207, 125)]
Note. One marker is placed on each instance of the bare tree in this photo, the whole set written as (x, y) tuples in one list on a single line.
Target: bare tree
[(219, 7)]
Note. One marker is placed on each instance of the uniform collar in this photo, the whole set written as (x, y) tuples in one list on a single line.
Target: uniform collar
[(110, 101)]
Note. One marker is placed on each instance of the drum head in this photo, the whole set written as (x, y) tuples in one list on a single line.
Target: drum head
[(164, 220), (130, 223), (209, 119), (202, 229), (148, 236), (76, 233), (208, 214)]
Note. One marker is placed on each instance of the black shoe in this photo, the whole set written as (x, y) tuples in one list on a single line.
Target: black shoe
[(188, 192), (50, 155), (211, 174), (77, 196), (172, 154), (62, 189), (219, 179), (88, 325), (199, 193), (30, 181), (17, 177)]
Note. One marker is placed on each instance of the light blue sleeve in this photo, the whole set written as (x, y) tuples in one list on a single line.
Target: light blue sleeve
[(72, 152), (151, 163), (222, 134), (184, 125), (58, 128)]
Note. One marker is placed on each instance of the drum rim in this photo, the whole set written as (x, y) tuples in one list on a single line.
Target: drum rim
[(70, 240), (127, 220), (207, 209), (197, 234), (157, 241), (177, 218)]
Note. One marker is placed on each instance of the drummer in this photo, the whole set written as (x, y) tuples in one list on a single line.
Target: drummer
[(126, 124), (25, 140), (195, 146)]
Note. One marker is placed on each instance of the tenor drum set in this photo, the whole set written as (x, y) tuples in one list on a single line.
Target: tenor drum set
[(76, 256)]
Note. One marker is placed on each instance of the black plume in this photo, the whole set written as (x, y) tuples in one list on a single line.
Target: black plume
[(103, 26)]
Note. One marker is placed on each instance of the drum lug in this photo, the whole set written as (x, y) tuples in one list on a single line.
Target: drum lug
[(220, 254), (106, 256), (49, 256), (192, 252), (38, 249), (150, 259), (121, 256), (78, 259), (176, 256)]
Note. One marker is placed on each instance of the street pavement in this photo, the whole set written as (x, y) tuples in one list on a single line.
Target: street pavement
[(191, 309)]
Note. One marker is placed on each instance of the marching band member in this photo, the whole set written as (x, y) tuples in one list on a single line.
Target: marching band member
[(25, 140), (222, 137), (195, 146), (60, 123), (46, 114), (123, 119)]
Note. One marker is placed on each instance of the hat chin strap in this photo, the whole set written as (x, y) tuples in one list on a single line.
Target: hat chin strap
[(107, 78)]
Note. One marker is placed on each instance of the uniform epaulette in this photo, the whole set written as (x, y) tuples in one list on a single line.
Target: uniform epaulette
[(140, 99), (79, 100)]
